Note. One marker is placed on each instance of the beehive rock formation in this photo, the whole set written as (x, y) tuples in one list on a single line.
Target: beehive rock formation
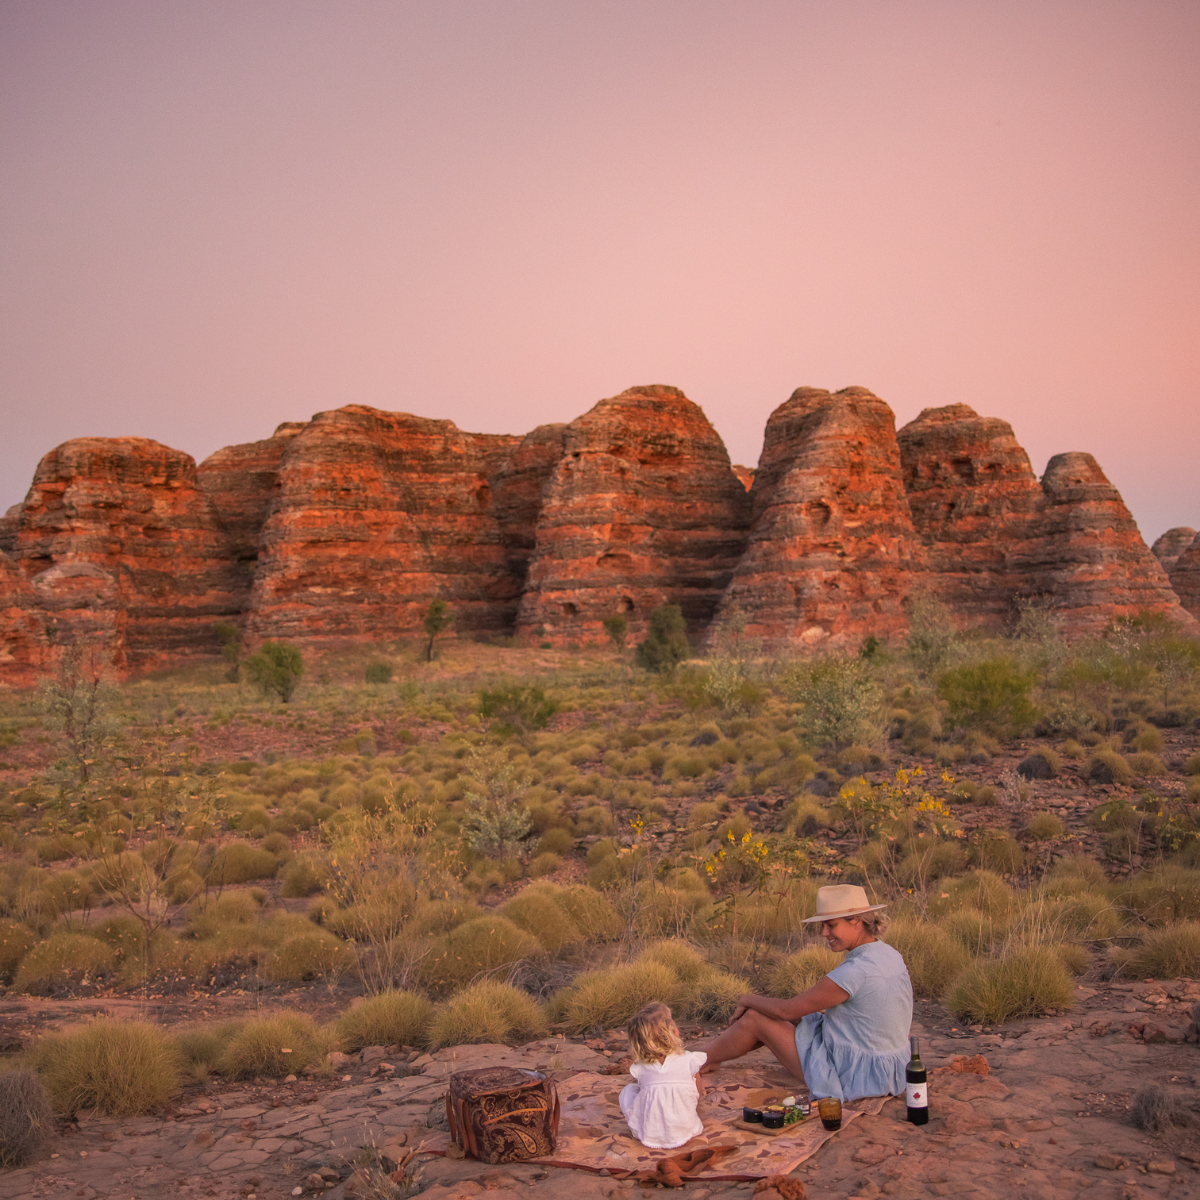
[(1169, 546), (24, 630), (832, 556), (120, 545), (345, 527), (975, 501), (1185, 578), (642, 509), (377, 514)]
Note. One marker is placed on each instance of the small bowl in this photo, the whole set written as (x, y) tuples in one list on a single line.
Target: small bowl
[(752, 1116), (772, 1120)]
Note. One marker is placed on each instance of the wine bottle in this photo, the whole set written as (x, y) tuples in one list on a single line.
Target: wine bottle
[(916, 1092)]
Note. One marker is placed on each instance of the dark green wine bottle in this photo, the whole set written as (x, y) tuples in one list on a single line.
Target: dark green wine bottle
[(916, 1091)]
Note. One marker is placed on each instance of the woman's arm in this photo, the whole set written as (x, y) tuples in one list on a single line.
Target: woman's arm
[(822, 995)]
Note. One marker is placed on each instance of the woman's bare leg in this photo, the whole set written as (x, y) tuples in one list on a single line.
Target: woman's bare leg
[(750, 1031)]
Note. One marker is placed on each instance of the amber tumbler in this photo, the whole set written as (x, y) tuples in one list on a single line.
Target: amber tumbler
[(830, 1108)]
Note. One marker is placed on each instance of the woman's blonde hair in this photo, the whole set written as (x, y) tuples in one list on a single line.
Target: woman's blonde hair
[(652, 1034), (874, 923)]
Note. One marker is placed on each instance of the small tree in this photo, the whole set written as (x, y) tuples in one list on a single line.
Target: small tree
[(276, 669), (78, 701), (617, 628), (496, 821), (438, 619), (518, 709), (231, 648), (841, 700), (666, 645)]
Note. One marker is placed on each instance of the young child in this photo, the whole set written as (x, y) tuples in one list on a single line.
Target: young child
[(660, 1108)]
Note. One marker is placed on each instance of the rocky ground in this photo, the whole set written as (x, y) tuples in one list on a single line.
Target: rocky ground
[(1051, 1119)]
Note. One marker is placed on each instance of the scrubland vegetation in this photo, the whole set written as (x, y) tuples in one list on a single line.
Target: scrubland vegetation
[(506, 842)]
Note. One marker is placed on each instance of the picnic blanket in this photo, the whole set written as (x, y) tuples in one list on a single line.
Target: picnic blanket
[(593, 1136)]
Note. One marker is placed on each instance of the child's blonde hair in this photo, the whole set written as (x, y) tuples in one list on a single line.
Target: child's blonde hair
[(652, 1034)]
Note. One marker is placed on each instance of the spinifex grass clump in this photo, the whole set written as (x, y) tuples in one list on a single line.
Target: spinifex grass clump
[(390, 1018), (487, 1012), (283, 1044), (1172, 952), (118, 1068), (933, 956), (605, 999), (1020, 983), (798, 972), (26, 1120), (1157, 1110), (62, 963), (474, 949)]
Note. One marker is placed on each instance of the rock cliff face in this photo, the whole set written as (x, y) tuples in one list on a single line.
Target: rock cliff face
[(974, 500), (120, 545), (24, 632), (641, 509), (832, 555), (1185, 578), (1170, 545), (345, 527), (377, 514)]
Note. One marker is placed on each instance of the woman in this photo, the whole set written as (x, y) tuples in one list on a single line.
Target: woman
[(847, 1036)]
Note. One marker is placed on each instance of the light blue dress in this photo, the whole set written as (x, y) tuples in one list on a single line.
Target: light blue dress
[(860, 1047)]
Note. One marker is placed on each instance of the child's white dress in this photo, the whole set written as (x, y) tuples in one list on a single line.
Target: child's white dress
[(660, 1107)]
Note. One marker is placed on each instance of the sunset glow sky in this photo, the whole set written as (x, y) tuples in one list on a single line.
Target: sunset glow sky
[(219, 216)]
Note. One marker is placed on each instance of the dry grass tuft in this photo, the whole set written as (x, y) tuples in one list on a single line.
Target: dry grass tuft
[(1045, 826), (210, 915), (26, 1119), (119, 1068), (1172, 952), (1022, 983), (16, 941), (1157, 1110), (606, 999), (487, 1012), (798, 972), (933, 956), (63, 962), (309, 955), (388, 1019), (1163, 895), (475, 948), (275, 1046), (200, 1046), (538, 910)]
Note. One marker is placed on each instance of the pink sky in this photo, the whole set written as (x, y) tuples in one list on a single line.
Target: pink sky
[(219, 216)]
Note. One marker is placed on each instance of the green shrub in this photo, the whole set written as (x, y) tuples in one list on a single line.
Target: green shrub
[(487, 1012), (992, 695), (517, 709), (1044, 826), (841, 701), (798, 972), (276, 669), (63, 962), (311, 955), (389, 1018), (1027, 981), (16, 941), (475, 948), (1169, 953), (378, 672), (666, 644), (275, 1046), (118, 1068), (238, 862), (26, 1119), (933, 957), (606, 999)]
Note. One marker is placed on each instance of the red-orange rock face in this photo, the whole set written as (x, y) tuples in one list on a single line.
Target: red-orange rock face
[(832, 555), (24, 640), (1170, 545), (119, 544), (518, 487), (642, 509), (1088, 556), (1185, 578), (376, 515), (974, 500)]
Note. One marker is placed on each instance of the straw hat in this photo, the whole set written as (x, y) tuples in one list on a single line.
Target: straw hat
[(841, 900)]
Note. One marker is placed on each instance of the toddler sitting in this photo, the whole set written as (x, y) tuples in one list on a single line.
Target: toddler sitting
[(660, 1108)]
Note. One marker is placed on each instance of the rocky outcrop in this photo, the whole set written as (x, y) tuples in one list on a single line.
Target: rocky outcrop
[(9, 524), (832, 556), (995, 536), (642, 509), (24, 633), (120, 545), (1185, 578), (1170, 545), (975, 503), (745, 475), (1088, 557), (376, 515), (518, 484)]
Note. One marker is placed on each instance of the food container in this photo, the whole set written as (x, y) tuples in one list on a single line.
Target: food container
[(752, 1116), (772, 1118)]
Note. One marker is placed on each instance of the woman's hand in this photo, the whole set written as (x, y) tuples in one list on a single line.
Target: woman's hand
[(738, 1012)]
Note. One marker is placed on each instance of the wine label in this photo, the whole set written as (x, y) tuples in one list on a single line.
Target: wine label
[(916, 1095)]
